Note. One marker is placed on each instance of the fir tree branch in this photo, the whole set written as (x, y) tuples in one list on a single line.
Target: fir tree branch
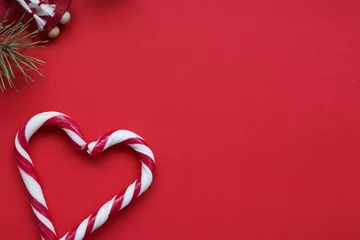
[(14, 40)]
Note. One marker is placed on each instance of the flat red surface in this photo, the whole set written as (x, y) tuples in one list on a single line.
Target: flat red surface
[(252, 109)]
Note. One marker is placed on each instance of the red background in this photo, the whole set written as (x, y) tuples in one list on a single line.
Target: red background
[(251, 108)]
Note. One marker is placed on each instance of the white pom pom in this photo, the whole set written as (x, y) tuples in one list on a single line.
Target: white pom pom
[(40, 22), (49, 9)]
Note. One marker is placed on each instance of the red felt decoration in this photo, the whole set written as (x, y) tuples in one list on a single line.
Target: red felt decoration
[(46, 14)]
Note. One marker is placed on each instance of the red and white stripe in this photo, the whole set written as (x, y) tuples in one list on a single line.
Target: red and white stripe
[(117, 203)]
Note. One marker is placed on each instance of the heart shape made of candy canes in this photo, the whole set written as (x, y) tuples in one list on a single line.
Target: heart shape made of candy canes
[(71, 128)]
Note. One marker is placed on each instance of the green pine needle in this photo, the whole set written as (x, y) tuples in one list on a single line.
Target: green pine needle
[(14, 39)]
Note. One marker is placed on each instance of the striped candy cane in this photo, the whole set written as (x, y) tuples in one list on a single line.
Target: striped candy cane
[(117, 203)]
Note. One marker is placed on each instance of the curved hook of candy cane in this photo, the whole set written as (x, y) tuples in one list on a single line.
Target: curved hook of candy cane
[(70, 127), (27, 169), (132, 192), (56, 119)]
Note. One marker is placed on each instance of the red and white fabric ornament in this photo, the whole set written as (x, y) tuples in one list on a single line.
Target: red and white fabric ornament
[(46, 13), (38, 10)]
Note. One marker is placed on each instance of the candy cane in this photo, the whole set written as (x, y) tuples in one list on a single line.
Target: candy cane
[(117, 203)]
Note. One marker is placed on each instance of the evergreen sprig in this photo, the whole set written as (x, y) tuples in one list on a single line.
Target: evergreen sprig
[(14, 40)]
